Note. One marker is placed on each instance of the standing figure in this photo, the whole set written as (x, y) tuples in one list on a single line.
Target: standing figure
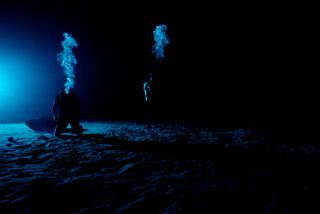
[(147, 89), (66, 109)]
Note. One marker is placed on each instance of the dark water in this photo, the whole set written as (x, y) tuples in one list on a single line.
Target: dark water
[(108, 174)]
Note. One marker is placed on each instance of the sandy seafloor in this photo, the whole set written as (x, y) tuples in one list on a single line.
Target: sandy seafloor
[(128, 167)]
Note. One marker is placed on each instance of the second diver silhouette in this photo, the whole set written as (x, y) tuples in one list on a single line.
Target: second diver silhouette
[(148, 96)]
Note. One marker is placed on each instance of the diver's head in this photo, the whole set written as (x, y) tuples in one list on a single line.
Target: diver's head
[(67, 92)]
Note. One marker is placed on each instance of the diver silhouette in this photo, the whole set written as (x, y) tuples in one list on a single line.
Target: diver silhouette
[(66, 109), (148, 95)]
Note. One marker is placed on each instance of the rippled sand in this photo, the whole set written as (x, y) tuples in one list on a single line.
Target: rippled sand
[(167, 168)]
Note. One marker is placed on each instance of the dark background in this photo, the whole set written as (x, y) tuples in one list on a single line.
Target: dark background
[(237, 63)]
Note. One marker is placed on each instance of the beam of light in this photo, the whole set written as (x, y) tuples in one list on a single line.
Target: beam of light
[(26, 78), (67, 60), (147, 87), (160, 41)]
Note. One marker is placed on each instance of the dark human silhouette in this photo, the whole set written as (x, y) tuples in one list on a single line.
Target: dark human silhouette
[(148, 96), (66, 109)]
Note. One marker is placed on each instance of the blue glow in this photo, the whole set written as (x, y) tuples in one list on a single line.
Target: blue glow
[(28, 71), (147, 88), (160, 41), (68, 60)]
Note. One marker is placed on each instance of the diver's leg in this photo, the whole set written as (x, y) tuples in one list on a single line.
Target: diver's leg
[(60, 127), (76, 127), (150, 113)]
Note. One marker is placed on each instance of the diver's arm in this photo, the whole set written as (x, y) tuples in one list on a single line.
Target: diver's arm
[(55, 108)]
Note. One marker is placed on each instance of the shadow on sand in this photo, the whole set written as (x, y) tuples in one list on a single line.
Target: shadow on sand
[(235, 156)]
